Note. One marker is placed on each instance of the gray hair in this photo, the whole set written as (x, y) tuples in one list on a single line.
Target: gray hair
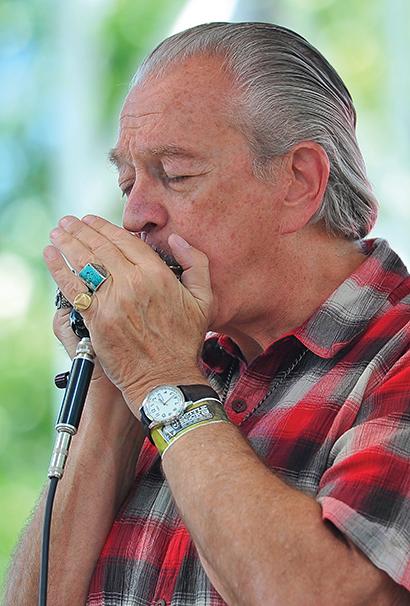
[(287, 93)]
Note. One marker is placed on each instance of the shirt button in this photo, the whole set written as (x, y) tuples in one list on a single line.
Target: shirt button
[(161, 603), (239, 405)]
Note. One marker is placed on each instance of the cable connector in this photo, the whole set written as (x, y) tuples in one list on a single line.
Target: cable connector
[(60, 453)]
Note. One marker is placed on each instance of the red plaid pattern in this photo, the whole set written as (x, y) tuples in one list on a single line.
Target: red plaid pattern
[(336, 427)]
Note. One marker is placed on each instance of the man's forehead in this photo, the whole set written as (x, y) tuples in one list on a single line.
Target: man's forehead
[(195, 81), (146, 107), (171, 116)]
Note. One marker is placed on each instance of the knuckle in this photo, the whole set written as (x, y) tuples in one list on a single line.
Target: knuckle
[(64, 238), (202, 258), (119, 235), (75, 228), (73, 286), (97, 242), (156, 270), (97, 222), (83, 260), (159, 275)]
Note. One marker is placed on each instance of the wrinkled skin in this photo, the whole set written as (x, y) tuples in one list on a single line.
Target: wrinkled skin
[(132, 341)]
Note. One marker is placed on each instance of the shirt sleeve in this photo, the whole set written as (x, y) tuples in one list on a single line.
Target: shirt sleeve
[(366, 491)]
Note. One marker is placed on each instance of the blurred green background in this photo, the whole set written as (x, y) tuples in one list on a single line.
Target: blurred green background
[(64, 72)]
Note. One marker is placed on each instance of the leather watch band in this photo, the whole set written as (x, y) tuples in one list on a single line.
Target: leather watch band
[(193, 393)]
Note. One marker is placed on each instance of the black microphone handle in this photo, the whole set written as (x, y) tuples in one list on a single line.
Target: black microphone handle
[(72, 405)]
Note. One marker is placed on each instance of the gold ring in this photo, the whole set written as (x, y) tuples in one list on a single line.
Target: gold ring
[(82, 301)]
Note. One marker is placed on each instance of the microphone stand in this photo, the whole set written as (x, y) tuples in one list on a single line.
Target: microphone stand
[(76, 385)]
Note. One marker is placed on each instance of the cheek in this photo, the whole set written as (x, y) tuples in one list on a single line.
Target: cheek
[(227, 219), (216, 227), (198, 216)]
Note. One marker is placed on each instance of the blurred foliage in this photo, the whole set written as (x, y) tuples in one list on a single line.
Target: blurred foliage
[(25, 388), (352, 35), (353, 31), (130, 30)]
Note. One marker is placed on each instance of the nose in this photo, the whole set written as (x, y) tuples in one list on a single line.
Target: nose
[(144, 210)]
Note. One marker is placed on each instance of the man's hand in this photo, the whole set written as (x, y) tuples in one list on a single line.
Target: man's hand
[(145, 325)]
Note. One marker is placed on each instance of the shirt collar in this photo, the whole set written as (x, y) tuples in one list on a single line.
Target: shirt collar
[(375, 285), (363, 296)]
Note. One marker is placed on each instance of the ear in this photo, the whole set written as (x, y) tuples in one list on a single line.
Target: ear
[(307, 169)]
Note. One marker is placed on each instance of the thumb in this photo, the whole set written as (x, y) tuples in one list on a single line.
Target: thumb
[(196, 276)]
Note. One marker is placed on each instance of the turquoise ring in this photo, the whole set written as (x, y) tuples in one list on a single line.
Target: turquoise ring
[(94, 275)]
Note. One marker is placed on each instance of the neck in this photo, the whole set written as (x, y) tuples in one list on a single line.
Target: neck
[(314, 266)]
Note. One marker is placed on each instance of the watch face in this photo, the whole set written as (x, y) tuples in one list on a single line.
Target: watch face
[(164, 403)]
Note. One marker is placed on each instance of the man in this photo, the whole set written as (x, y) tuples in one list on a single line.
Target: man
[(238, 159)]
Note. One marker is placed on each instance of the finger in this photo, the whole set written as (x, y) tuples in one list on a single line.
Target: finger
[(114, 233), (73, 250), (196, 276), (64, 332), (81, 244), (135, 250), (111, 245), (68, 282), (130, 245)]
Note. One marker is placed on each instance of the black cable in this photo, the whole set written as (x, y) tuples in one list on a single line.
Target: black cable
[(45, 543), (78, 381)]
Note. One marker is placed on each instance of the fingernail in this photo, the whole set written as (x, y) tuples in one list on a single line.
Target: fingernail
[(180, 241), (55, 233), (50, 252), (67, 221), (89, 219)]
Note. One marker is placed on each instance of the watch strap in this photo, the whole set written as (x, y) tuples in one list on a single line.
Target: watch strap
[(145, 422), (193, 393)]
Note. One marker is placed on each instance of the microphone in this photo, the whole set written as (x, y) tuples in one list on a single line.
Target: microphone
[(77, 384)]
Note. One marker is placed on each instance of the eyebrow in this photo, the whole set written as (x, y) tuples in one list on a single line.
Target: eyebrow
[(176, 150), (118, 159)]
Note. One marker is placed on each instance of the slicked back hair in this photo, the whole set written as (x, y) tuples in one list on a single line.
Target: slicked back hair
[(287, 93)]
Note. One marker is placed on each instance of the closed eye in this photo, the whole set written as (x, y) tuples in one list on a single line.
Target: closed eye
[(176, 182), (125, 192), (177, 179)]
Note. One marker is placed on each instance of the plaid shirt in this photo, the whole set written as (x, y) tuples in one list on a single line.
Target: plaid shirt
[(332, 422)]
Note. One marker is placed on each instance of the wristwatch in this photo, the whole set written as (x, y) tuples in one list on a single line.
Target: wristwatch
[(167, 402), (168, 411)]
